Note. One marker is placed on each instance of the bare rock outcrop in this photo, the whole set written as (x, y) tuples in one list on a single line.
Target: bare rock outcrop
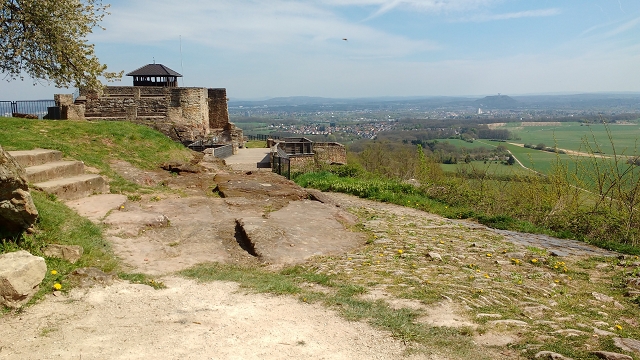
[(70, 253), (17, 211), (20, 276)]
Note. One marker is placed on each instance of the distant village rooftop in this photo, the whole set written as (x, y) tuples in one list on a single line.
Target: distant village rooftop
[(155, 75)]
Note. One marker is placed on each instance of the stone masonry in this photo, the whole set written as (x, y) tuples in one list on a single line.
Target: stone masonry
[(183, 114)]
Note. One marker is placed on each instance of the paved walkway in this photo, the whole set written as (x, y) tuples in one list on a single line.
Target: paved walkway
[(248, 159)]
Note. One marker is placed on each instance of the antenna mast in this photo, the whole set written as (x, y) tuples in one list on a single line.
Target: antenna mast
[(181, 64)]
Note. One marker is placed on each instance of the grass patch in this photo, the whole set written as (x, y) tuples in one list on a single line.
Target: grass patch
[(345, 298), (137, 278), (57, 224), (525, 205), (255, 144), (96, 143)]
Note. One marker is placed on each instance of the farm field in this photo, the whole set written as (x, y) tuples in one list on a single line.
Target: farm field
[(467, 145), (489, 168), (572, 136)]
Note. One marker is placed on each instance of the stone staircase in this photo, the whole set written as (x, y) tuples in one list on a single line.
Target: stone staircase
[(48, 172)]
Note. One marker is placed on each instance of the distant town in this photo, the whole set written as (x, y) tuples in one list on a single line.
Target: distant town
[(366, 118)]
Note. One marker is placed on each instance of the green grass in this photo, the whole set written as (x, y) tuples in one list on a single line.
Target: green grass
[(491, 168), (571, 135), (344, 297), (524, 210), (95, 143), (467, 145), (57, 224), (253, 144)]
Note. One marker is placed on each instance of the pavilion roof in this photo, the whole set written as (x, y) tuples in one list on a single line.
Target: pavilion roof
[(154, 70)]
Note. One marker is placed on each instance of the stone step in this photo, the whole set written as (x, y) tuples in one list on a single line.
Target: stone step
[(35, 157), (74, 187), (54, 170)]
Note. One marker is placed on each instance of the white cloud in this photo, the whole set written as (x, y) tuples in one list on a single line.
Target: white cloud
[(252, 27), (622, 28), (515, 15), (426, 6)]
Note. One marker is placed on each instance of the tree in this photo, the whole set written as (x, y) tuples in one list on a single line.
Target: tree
[(46, 39)]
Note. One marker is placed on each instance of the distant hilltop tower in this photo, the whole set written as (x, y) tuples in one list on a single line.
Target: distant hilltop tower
[(479, 111)]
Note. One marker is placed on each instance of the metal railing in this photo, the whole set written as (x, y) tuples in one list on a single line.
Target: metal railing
[(281, 164), (262, 137), (37, 108)]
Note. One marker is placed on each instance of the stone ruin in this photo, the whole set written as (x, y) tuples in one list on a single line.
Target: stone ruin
[(304, 153), (185, 114)]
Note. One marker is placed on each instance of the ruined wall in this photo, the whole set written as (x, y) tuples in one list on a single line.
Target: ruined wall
[(183, 114), (218, 109), (112, 102), (301, 161), (188, 111), (68, 110), (180, 113), (330, 153)]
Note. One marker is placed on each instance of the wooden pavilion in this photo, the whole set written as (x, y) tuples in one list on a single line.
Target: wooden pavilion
[(155, 75)]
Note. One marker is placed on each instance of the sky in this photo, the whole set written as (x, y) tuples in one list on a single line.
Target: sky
[(370, 48)]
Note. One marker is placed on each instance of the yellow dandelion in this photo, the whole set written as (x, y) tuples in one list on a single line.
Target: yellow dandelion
[(54, 272), (556, 281), (380, 254), (349, 259), (414, 265), (57, 286), (478, 270), (486, 276), (519, 282), (569, 278), (534, 260), (618, 327), (400, 251), (488, 255)]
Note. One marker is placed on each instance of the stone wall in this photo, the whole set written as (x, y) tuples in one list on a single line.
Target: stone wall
[(113, 101), (301, 161), (330, 153), (183, 114), (218, 110)]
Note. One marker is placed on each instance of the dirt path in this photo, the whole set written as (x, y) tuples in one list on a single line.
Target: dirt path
[(189, 321), (573, 152)]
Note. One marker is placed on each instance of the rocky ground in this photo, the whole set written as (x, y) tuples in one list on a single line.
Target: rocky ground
[(513, 295)]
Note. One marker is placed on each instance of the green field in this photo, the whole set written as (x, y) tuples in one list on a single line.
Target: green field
[(576, 136), (467, 145), (489, 168)]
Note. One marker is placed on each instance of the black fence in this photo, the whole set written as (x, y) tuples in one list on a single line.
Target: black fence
[(31, 108), (221, 151), (261, 137), (281, 164)]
